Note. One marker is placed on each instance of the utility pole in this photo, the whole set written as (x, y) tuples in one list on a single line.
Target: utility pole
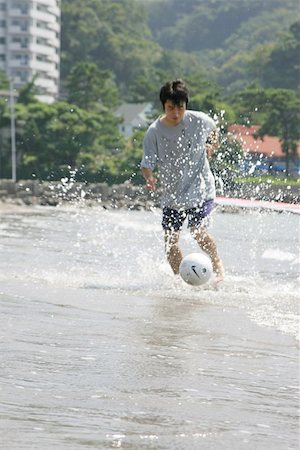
[(13, 132)]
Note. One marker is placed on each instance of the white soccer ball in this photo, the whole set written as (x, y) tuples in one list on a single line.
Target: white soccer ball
[(196, 269)]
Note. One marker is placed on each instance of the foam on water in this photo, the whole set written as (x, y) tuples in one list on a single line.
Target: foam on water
[(123, 252), (267, 303), (280, 255)]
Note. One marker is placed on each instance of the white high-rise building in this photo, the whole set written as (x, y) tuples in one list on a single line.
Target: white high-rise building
[(30, 44)]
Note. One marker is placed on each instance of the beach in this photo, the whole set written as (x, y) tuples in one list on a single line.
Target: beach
[(101, 348)]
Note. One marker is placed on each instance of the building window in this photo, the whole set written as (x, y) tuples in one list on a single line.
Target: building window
[(2, 23), (42, 8), (23, 24), (22, 59), (21, 7), (42, 90), (42, 58), (2, 40), (20, 40), (42, 25), (24, 76), (41, 41)]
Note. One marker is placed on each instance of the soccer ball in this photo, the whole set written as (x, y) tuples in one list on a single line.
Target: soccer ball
[(196, 269)]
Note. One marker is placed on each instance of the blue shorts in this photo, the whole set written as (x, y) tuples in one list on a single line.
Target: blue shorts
[(173, 219)]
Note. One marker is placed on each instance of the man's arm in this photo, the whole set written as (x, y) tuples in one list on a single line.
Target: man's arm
[(212, 143), (150, 179)]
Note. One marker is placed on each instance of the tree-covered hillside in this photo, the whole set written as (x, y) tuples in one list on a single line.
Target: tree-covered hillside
[(226, 35), (142, 41), (194, 25), (115, 35)]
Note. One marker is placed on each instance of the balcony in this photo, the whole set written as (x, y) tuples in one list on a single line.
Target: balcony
[(37, 19), (44, 49), (45, 83), (42, 32), (53, 25), (43, 16), (43, 66)]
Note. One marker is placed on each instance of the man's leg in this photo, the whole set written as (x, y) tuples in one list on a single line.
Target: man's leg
[(208, 245), (173, 251), (172, 222)]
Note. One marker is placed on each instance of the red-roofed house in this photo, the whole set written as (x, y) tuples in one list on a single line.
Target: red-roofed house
[(267, 150)]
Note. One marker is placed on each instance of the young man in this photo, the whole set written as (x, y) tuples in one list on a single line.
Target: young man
[(177, 144)]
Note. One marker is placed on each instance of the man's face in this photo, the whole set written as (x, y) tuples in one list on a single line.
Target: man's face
[(174, 113)]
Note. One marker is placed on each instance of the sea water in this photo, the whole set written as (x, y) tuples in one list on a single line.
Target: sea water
[(102, 348)]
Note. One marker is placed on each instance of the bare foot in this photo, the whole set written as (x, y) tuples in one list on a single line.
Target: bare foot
[(216, 282), (219, 274)]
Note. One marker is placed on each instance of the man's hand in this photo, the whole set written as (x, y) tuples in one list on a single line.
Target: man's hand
[(150, 179), (212, 143), (151, 184)]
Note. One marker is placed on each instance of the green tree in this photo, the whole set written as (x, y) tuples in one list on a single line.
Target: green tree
[(25, 96), (91, 88), (205, 96), (283, 68), (62, 135), (171, 64), (4, 101), (125, 164), (114, 35), (28, 92), (4, 82), (279, 116), (277, 65), (5, 159)]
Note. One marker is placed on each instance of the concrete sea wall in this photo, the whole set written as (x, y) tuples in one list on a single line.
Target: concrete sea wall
[(53, 193), (34, 192)]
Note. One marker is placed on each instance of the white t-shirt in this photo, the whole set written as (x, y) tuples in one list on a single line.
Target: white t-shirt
[(179, 154)]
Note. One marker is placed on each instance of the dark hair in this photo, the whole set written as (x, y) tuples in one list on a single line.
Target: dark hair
[(176, 91)]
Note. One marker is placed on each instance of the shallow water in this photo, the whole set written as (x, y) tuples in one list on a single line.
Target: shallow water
[(101, 349)]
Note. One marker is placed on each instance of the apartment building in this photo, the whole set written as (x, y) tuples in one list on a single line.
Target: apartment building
[(30, 44)]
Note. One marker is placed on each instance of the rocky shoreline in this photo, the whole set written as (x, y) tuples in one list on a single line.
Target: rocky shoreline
[(54, 193)]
